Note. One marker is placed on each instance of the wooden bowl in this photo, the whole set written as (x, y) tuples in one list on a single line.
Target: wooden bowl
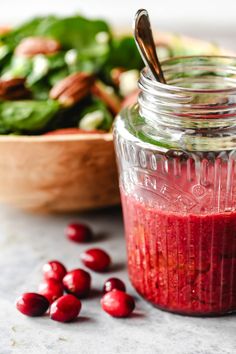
[(65, 173), (58, 173)]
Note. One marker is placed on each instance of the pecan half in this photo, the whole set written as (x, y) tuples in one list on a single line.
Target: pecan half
[(115, 75), (72, 89), (107, 95), (31, 46), (4, 30), (13, 89)]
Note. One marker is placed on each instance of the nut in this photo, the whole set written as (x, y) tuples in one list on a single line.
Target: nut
[(13, 89), (115, 75), (107, 95), (4, 30), (31, 46), (72, 89)]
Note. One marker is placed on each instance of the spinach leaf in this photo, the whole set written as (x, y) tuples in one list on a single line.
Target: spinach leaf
[(75, 32), (68, 117), (57, 75), (42, 65), (124, 53), (17, 67), (40, 89), (79, 33), (26, 116), (34, 27), (5, 55), (95, 51), (98, 105)]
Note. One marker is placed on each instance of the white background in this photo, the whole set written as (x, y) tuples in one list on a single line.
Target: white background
[(211, 19)]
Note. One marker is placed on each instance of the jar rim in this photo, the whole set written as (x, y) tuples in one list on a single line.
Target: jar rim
[(146, 79)]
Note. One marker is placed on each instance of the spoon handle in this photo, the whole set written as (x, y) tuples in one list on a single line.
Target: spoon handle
[(145, 43)]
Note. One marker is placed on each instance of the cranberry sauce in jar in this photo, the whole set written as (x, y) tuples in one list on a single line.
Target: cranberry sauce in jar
[(176, 152)]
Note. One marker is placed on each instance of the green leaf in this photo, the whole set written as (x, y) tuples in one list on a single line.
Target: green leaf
[(124, 53), (57, 60), (98, 105), (26, 115), (43, 65), (75, 32), (40, 89), (82, 35), (76, 63), (57, 75), (30, 28), (40, 68), (4, 50), (17, 67), (5, 56), (79, 33)]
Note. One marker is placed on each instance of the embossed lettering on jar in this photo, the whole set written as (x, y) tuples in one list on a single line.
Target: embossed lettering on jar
[(176, 153)]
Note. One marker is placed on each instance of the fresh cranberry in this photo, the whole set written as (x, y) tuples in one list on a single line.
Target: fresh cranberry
[(117, 303), (78, 233), (54, 270), (65, 309), (113, 283), (51, 289), (32, 304), (96, 259), (77, 282)]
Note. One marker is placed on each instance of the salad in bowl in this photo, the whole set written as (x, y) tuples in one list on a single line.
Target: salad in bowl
[(62, 82)]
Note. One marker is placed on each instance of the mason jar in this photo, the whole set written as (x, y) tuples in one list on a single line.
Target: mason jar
[(176, 152)]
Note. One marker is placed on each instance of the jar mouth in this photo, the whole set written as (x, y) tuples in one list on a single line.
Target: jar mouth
[(197, 105), (221, 69)]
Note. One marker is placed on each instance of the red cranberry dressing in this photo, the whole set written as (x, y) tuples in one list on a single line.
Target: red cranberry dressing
[(177, 160), (183, 262)]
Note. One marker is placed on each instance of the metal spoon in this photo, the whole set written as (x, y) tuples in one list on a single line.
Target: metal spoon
[(145, 43)]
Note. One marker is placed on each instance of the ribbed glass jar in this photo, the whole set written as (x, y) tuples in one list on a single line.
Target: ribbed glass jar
[(176, 151)]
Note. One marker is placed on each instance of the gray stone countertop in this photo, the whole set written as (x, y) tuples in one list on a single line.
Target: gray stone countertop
[(27, 241)]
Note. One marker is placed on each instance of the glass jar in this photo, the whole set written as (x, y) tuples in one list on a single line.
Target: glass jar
[(176, 151)]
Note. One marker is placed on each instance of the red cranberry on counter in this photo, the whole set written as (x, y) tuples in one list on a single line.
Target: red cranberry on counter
[(77, 282), (117, 303), (79, 233), (32, 304), (54, 270), (113, 283), (96, 259), (65, 309), (51, 289)]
